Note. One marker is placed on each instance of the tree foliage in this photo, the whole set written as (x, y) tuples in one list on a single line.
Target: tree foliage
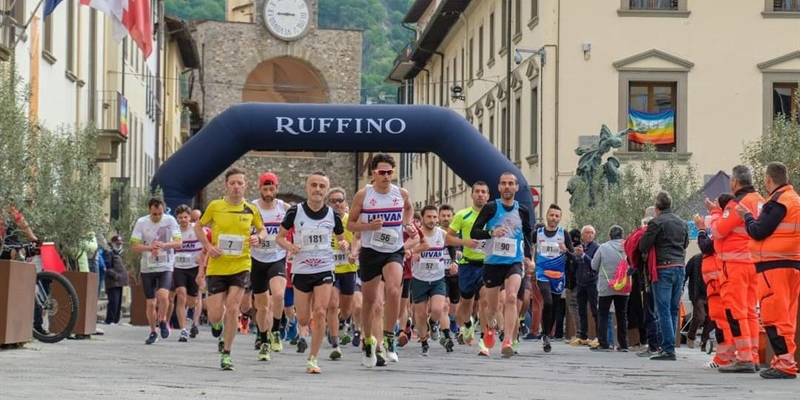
[(623, 203), (781, 143), (380, 20)]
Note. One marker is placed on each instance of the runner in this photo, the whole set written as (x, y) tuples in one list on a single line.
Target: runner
[(470, 268), (269, 269), (156, 236), (341, 305), (313, 263), (428, 285), (231, 220), (451, 270), (506, 222), (552, 247), (381, 212), (184, 276)]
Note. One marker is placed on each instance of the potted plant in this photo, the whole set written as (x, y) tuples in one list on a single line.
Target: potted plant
[(17, 279)]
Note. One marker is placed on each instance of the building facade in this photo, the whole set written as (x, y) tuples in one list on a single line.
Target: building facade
[(248, 60), (539, 79)]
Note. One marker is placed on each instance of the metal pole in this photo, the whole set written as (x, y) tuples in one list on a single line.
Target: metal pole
[(509, 55)]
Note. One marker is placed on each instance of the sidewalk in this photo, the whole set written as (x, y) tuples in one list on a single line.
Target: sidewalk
[(119, 365)]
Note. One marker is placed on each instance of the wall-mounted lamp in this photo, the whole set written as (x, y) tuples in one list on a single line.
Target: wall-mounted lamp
[(540, 52), (587, 51), (456, 93)]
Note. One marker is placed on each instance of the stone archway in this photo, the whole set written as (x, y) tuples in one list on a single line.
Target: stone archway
[(285, 80)]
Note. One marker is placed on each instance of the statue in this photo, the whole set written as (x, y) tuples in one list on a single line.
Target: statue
[(591, 160)]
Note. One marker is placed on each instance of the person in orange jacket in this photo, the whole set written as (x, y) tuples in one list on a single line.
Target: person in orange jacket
[(740, 288), (713, 278), (775, 250)]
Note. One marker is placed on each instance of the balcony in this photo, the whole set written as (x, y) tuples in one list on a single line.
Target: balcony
[(112, 126)]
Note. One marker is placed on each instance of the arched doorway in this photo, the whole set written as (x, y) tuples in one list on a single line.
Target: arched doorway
[(285, 80)]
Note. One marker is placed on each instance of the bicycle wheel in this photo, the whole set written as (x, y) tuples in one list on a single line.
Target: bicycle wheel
[(55, 307)]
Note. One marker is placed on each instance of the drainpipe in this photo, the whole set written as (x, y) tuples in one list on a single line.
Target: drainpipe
[(558, 80)]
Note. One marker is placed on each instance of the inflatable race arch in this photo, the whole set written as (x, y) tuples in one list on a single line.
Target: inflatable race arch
[(338, 128)]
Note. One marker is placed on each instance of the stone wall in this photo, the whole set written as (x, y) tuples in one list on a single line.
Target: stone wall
[(231, 50)]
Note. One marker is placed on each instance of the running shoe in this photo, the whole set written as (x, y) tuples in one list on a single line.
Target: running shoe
[(164, 328), (515, 345), (336, 353), (546, 344), (391, 352), (488, 337), (225, 362), (508, 350), (152, 338), (194, 331), (216, 329), (425, 348), (263, 352), (369, 358), (449, 345), (482, 349), (302, 345), (312, 367), (469, 333), (220, 345), (356, 338), (184, 336), (275, 342)]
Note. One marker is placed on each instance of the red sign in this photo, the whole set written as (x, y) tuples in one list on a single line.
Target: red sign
[(535, 195)]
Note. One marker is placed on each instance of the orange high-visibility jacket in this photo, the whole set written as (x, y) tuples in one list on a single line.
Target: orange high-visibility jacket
[(784, 243), (731, 241)]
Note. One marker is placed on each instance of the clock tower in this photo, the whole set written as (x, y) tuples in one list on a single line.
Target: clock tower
[(274, 51)]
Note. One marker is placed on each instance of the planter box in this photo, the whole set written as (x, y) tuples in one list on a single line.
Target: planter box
[(17, 290), (85, 284), (138, 306)]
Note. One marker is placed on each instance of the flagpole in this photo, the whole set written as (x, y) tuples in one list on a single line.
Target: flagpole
[(25, 27)]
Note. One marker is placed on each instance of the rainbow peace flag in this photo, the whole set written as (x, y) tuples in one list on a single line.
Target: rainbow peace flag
[(654, 128)]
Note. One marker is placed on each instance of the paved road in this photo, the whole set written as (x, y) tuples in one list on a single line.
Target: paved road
[(119, 364)]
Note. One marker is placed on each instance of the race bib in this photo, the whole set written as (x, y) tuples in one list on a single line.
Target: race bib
[(549, 249), (268, 245), (384, 238), (230, 245), (315, 239), (161, 258), (429, 264), (504, 247), (183, 258), (339, 257), (481, 249)]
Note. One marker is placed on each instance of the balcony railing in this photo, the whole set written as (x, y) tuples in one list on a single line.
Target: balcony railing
[(786, 5), (654, 4)]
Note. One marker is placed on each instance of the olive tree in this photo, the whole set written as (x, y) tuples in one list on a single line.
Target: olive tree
[(780, 143)]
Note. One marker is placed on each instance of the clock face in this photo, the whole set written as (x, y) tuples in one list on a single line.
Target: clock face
[(286, 19)]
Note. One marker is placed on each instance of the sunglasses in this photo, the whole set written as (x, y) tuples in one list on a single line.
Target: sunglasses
[(384, 172), (335, 201)]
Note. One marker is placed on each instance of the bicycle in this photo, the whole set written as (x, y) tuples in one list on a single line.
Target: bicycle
[(56, 301)]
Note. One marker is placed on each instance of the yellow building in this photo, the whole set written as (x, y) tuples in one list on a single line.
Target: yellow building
[(539, 78)]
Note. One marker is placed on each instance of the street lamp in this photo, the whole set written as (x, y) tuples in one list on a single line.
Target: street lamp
[(540, 52)]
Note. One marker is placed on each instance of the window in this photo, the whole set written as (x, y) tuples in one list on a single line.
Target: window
[(504, 27), (652, 105), (785, 5), (535, 121), (491, 34), (784, 99), (491, 130), (518, 17), (534, 9), (47, 39), (518, 129), (455, 72), (71, 9), (471, 58), (502, 140), (462, 67), (653, 8), (654, 4), (480, 47)]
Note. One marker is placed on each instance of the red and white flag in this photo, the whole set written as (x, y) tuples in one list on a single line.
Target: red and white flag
[(130, 17)]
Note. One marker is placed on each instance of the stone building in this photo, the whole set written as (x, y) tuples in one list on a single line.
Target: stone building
[(289, 59)]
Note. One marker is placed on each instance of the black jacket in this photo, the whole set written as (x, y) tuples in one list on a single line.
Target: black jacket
[(116, 274), (670, 236), (694, 275)]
